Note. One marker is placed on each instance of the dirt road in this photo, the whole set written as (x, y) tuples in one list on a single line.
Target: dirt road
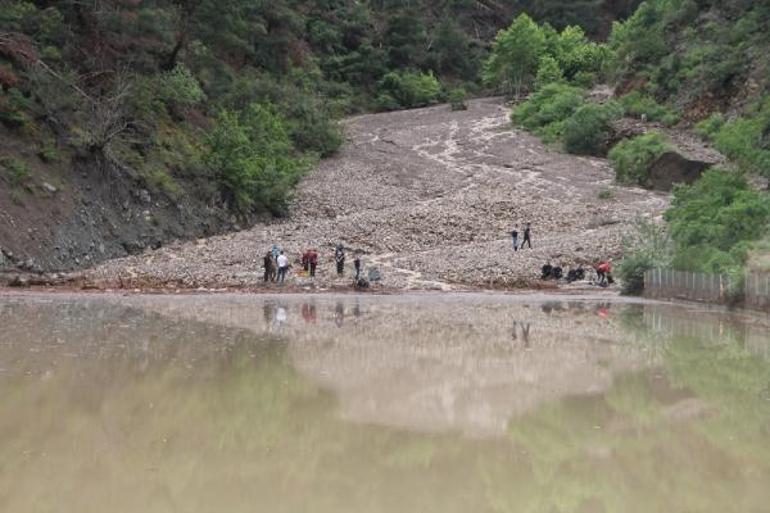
[(429, 196)]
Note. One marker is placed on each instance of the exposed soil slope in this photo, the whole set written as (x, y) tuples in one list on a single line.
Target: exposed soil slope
[(430, 197)]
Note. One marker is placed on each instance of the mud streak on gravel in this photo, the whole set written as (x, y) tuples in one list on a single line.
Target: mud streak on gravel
[(430, 197)]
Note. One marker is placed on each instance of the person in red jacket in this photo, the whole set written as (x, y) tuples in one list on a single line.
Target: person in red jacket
[(312, 257), (604, 272)]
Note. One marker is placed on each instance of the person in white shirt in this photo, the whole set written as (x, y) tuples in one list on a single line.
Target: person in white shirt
[(283, 267)]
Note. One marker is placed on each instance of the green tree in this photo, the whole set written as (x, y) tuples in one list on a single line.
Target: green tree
[(548, 72), (409, 89), (252, 157), (575, 53), (515, 56)]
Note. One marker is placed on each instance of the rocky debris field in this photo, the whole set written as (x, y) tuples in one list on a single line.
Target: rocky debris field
[(429, 197)]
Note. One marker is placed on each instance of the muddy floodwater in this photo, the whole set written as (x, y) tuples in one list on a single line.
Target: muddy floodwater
[(409, 403)]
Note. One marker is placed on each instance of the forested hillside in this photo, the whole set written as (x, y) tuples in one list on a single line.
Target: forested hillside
[(125, 123)]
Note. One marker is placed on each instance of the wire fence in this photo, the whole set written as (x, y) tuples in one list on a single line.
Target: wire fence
[(711, 288)]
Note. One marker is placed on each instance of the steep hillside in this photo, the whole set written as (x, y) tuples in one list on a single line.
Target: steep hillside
[(128, 123)]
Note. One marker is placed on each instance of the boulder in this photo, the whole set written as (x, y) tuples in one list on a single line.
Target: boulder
[(672, 168)]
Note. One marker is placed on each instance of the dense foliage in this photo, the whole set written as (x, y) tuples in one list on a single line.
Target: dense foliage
[(632, 157), (251, 154), (588, 130), (527, 54), (647, 247), (714, 221), (548, 109)]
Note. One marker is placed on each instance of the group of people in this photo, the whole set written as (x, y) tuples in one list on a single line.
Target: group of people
[(603, 269), (277, 264), (526, 240), (603, 273)]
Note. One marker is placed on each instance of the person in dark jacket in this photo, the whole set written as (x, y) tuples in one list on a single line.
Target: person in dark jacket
[(515, 237), (527, 236), (357, 265), (313, 261), (269, 267), (339, 259)]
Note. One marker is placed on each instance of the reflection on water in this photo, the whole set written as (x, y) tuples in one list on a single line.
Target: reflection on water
[(368, 404)]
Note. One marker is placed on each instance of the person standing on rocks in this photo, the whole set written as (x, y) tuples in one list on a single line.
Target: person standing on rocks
[(358, 265), (269, 267), (283, 267), (515, 237), (339, 259), (527, 236), (313, 261)]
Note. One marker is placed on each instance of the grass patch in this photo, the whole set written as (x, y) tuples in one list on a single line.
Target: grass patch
[(17, 170), (161, 180), (606, 194), (639, 105), (709, 127), (48, 153)]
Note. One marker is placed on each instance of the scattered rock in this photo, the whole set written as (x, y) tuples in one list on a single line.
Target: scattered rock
[(144, 196), (49, 188), (19, 281)]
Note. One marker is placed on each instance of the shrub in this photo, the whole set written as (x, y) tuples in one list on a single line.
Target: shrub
[(312, 128), (606, 194), (48, 152), (648, 247), (586, 132), (17, 170), (161, 180), (178, 88), (14, 108), (252, 158), (746, 140), (410, 89), (576, 54), (457, 99), (546, 112), (709, 127), (638, 105), (585, 79), (632, 157), (548, 72), (714, 221)]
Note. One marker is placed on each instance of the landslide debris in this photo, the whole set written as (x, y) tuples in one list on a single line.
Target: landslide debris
[(429, 197)]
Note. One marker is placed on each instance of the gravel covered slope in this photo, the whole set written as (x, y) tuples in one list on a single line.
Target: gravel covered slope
[(429, 196)]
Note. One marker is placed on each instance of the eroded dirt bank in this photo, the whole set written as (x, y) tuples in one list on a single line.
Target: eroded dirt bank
[(429, 196)]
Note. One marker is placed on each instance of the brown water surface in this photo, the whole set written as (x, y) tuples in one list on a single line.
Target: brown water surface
[(412, 403)]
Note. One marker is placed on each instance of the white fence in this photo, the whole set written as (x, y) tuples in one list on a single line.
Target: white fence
[(712, 288)]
